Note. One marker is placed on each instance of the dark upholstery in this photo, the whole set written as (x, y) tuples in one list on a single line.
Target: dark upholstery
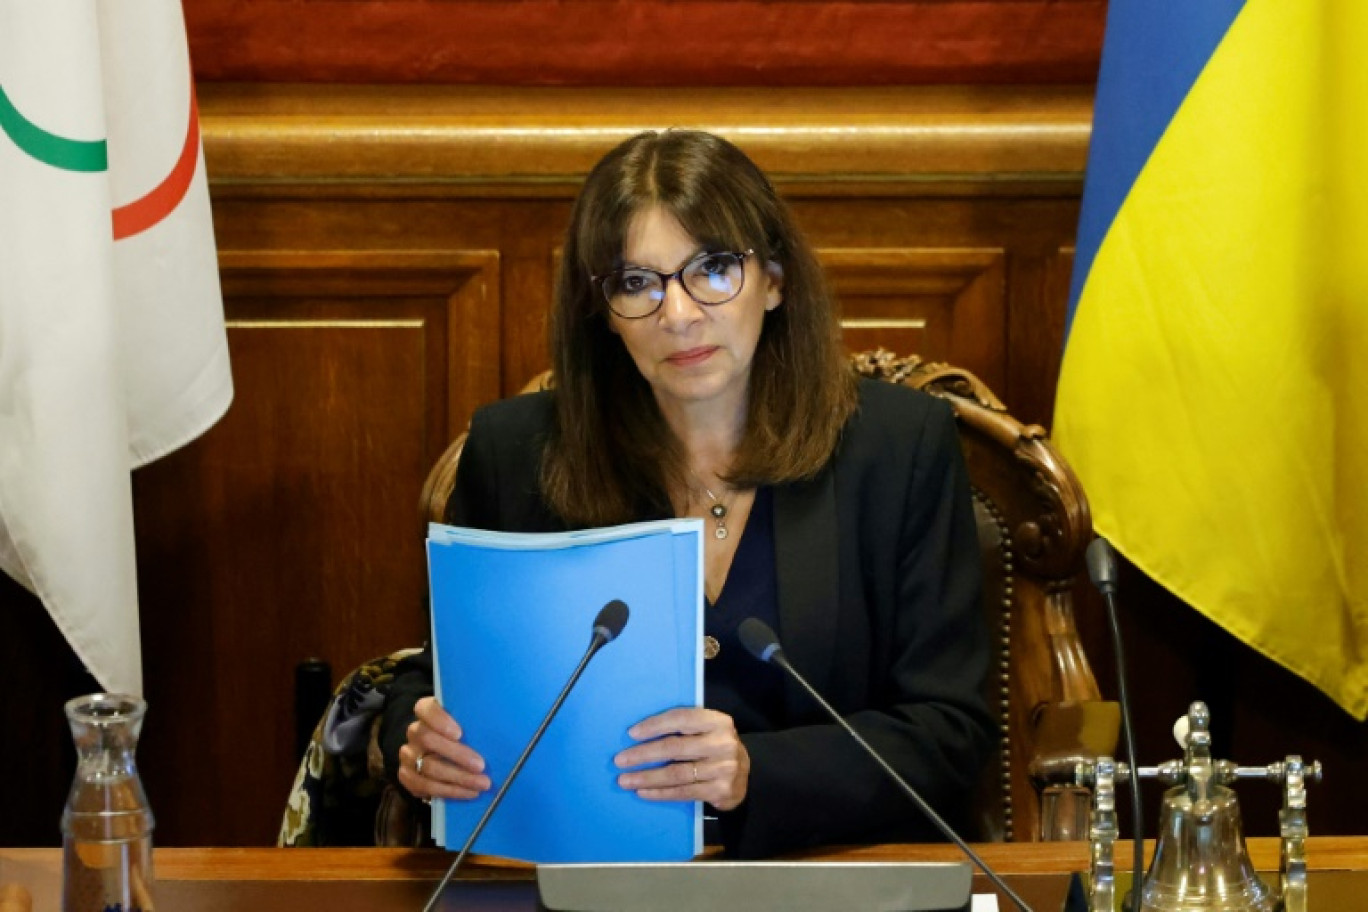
[(340, 796)]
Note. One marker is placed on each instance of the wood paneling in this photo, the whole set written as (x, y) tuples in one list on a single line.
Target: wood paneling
[(444, 141), (37, 760), (387, 261), (648, 42), (388, 257), (290, 529), (451, 299), (342, 216), (943, 304)]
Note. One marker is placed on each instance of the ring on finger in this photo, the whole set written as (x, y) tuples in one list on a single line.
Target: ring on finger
[(418, 764), (695, 772)]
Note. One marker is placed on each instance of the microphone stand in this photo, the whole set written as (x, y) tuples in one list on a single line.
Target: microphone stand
[(778, 658), (1101, 562), (605, 631), (760, 641)]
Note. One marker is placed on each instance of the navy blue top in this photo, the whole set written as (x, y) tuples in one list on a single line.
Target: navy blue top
[(734, 681)]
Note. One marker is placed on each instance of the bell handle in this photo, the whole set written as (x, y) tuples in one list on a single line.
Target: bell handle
[(1293, 830)]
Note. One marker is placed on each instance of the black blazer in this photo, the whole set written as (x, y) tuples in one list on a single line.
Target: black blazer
[(879, 607)]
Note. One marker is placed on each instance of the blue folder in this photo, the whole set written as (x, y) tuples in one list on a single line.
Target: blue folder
[(512, 615)]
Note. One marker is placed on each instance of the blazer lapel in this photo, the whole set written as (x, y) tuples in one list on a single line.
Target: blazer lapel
[(806, 565)]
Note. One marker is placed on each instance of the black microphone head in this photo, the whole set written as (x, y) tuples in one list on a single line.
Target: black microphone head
[(612, 617), (1101, 562), (758, 639)]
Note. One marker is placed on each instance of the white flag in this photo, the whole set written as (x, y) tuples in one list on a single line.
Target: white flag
[(112, 344)]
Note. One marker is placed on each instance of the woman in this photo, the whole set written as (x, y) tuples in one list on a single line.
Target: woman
[(699, 373)]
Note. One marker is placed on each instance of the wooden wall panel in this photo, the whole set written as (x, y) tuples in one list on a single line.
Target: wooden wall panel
[(650, 42), (303, 539), (435, 142), (376, 299), (453, 297), (945, 305), (388, 257), (1028, 229), (1042, 327), (279, 566), (37, 761)]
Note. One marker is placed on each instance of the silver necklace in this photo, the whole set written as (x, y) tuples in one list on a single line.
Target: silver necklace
[(718, 511)]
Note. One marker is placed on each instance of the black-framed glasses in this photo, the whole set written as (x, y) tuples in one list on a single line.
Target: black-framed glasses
[(712, 277)]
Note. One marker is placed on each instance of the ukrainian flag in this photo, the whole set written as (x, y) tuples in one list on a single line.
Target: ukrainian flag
[(1214, 391)]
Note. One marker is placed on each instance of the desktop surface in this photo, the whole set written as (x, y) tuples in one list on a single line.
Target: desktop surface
[(381, 880)]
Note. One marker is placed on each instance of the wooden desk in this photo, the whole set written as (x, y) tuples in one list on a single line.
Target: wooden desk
[(380, 880)]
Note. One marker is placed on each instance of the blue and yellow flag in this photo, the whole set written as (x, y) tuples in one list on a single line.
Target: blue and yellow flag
[(1214, 391)]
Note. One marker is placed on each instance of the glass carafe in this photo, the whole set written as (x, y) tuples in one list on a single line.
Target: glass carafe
[(107, 824)]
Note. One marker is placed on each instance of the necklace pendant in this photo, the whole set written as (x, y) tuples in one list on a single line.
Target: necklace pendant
[(711, 647), (720, 533)]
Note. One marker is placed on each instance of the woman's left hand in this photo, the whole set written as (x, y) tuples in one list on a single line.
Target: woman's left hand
[(703, 759)]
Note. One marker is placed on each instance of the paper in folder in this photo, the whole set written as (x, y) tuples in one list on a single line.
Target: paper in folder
[(512, 615)]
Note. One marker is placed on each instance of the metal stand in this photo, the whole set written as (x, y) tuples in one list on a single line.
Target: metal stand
[(1200, 799)]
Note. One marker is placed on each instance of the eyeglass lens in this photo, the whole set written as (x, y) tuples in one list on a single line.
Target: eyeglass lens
[(710, 278)]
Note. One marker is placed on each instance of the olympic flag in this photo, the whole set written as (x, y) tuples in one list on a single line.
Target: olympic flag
[(112, 343)]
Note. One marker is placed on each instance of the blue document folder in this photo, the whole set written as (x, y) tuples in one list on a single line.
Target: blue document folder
[(512, 615)]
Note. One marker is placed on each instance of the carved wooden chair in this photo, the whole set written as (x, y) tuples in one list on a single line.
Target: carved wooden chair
[(1034, 525)]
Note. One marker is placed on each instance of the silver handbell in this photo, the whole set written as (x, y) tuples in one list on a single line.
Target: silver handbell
[(1200, 859), (1201, 863)]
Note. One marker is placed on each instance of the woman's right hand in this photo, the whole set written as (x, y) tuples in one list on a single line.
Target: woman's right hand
[(434, 763)]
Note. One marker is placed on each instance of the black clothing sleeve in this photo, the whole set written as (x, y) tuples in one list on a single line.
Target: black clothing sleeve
[(911, 654)]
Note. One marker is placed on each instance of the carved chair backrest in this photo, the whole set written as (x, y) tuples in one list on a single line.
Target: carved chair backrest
[(1034, 526)]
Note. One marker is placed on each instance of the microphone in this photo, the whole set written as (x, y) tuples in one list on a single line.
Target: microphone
[(1101, 561), (761, 642), (609, 622), (611, 618)]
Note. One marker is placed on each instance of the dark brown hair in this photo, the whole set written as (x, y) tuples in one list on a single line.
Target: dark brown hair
[(611, 457)]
